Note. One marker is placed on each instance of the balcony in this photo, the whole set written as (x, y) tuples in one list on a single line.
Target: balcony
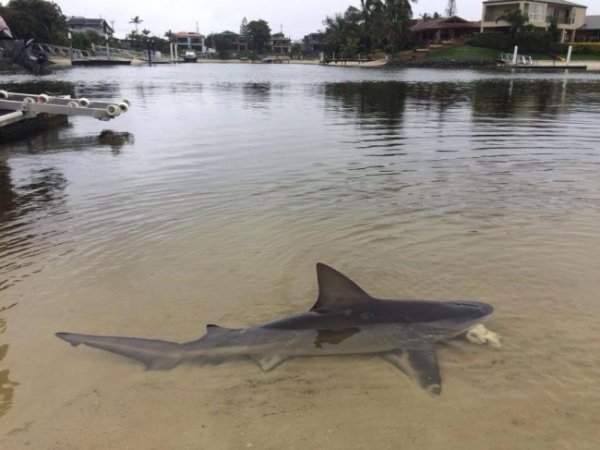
[(561, 20)]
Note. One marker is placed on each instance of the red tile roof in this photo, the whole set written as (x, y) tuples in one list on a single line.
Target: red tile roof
[(188, 33), (444, 23)]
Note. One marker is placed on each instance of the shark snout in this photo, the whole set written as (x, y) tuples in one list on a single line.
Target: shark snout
[(483, 308)]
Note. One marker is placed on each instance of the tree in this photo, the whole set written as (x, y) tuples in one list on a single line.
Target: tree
[(244, 27), (259, 36), (382, 23), (223, 42), (343, 28), (40, 20), (368, 10), (515, 19), (426, 16), (136, 21), (141, 41), (350, 48), (396, 21), (298, 49), (85, 40), (553, 30)]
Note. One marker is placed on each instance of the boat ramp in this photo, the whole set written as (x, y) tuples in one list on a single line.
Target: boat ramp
[(23, 114)]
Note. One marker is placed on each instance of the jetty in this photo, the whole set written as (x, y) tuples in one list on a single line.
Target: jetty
[(516, 61), (24, 114)]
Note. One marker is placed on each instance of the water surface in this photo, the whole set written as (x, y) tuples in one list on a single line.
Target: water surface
[(226, 186)]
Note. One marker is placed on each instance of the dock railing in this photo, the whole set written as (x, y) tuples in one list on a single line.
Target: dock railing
[(508, 58)]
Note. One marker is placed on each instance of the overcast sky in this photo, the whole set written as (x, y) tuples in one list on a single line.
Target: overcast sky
[(296, 17)]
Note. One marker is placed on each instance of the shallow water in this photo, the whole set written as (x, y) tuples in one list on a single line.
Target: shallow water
[(234, 180)]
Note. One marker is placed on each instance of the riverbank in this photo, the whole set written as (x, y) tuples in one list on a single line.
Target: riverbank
[(434, 61), (428, 63), (313, 62)]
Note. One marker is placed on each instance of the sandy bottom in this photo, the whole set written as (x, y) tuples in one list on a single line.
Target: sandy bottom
[(539, 391)]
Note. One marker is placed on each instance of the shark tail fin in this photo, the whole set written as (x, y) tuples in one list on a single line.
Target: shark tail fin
[(154, 354)]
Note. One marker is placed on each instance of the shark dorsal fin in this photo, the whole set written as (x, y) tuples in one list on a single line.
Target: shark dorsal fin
[(337, 291)]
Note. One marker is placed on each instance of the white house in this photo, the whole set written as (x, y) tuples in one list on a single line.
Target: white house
[(567, 15)]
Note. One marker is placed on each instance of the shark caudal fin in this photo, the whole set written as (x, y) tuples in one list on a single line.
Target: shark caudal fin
[(154, 354)]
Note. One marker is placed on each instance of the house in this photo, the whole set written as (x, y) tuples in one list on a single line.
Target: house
[(589, 31), (280, 44), (443, 29), (241, 43), (568, 16), (314, 43), (189, 40), (83, 25), (228, 44)]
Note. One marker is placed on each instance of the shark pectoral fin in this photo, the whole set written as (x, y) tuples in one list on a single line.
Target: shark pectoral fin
[(268, 362), (420, 365), (424, 363)]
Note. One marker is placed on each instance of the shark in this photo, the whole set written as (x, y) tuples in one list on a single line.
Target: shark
[(344, 320)]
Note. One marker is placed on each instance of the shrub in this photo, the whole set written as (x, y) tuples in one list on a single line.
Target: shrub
[(496, 41), (529, 40), (585, 48)]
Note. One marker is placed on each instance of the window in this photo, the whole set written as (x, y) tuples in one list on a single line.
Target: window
[(536, 13)]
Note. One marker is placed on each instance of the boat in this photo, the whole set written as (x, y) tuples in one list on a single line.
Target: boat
[(270, 60), (190, 56)]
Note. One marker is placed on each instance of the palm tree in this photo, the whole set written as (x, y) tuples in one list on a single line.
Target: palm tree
[(396, 15), (426, 16), (342, 28), (136, 20), (515, 19), (387, 21), (335, 31), (378, 22), (369, 10)]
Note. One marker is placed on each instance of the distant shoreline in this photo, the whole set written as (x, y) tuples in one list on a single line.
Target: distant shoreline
[(592, 65), (313, 62)]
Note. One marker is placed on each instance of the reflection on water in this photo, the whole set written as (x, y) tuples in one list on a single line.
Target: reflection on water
[(512, 99), (387, 101), (257, 95), (380, 102), (40, 196), (7, 195), (41, 87), (427, 184), (7, 387)]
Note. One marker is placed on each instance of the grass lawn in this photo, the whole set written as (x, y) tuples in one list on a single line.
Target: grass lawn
[(464, 53), (585, 57)]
